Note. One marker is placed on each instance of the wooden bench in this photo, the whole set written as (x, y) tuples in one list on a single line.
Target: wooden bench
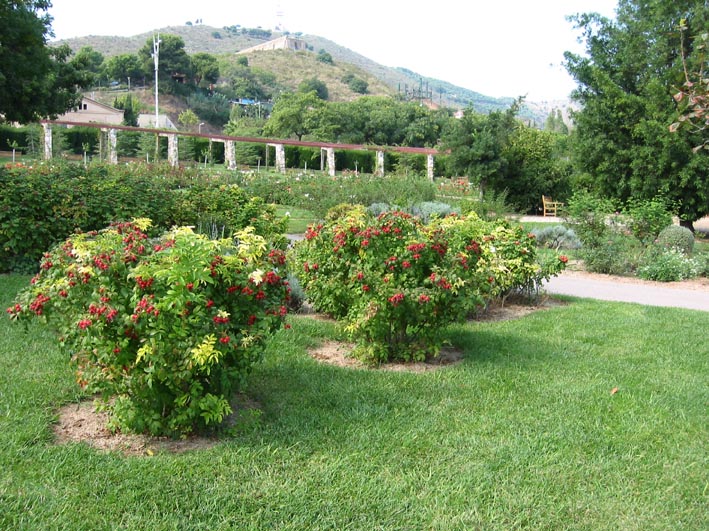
[(551, 207)]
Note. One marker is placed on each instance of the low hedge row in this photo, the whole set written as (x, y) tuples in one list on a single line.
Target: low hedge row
[(44, 203)]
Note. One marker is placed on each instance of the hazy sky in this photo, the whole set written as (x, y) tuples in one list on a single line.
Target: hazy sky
[(495, 47)]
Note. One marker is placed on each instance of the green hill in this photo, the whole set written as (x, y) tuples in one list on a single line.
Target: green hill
[(290, 68)]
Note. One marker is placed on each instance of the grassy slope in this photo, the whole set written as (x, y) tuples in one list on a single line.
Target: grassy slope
[(200, 38), (524, 434)]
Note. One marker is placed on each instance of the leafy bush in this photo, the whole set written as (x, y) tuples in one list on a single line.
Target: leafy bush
[(375, 209), (491, 205), (42, 205), (608, 246), (557, 237), (676, 237), (297, 295), (588, 216), (319, 193), (618, 254), (648, 218), (424, 211), (168, 328), (428, 210), (397, 283), (669, 265)]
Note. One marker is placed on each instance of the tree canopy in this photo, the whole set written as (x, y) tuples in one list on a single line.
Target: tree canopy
[(204, 67), (622, 141), (36, 81), (172, 59)]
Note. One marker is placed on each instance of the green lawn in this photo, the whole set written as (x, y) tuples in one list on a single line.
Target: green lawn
[(524, 433), (298, 218)]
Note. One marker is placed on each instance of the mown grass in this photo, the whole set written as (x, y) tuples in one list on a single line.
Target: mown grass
[(524, 433), (298, 218)]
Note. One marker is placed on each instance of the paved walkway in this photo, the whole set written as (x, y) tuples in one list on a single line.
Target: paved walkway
[(628, 290)]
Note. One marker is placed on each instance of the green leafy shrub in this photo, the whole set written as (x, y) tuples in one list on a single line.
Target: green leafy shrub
[(557, 237), (375, 209), (319, 193), (676, 237), (618, 254), (588, 215), (491, 205), (397, 282), (669, 265), (425, 210), (428, 210), (43, 204), (168, 328), (297, 295), (648, 217), (608, 245)]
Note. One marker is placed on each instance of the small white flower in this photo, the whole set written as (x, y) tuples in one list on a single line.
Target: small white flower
[(256, 277)]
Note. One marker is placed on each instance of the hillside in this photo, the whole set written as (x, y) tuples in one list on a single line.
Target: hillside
[(292, 67)]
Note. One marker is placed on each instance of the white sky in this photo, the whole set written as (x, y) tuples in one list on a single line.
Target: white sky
[(495, 47)]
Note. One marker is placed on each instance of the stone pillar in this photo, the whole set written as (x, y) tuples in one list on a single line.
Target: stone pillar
[(330, 161), (173, 154), (379, 171), (280, 158), (112, 145), (47, 141), (230, 154), (429, 167)]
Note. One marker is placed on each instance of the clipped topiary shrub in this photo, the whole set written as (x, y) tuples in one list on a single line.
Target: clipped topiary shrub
[(676, 237), (165, 329)]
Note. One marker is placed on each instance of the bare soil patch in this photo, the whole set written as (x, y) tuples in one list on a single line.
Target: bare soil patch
[(81, 422)]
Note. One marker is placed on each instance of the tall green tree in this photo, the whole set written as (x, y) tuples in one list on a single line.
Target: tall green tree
[(36, 81), (477, 144), (295, 115), (314, 84), (123, 66), (535, 166), (205, 68), (622, 142), (91, 61), (173, 60), (131, 107)]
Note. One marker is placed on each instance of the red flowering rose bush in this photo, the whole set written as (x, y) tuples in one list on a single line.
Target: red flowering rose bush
[(397, 283), (164, 329)]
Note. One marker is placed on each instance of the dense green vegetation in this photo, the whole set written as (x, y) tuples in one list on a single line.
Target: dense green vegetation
[(623, 147), (626, 142)]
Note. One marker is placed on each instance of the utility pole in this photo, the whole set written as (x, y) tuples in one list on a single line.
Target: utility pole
[(156, 57)]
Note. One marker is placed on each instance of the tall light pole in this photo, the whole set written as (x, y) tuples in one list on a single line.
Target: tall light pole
[(156, 56)]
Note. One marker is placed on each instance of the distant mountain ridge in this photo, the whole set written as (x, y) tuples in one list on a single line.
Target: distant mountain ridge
[(218, 41)]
